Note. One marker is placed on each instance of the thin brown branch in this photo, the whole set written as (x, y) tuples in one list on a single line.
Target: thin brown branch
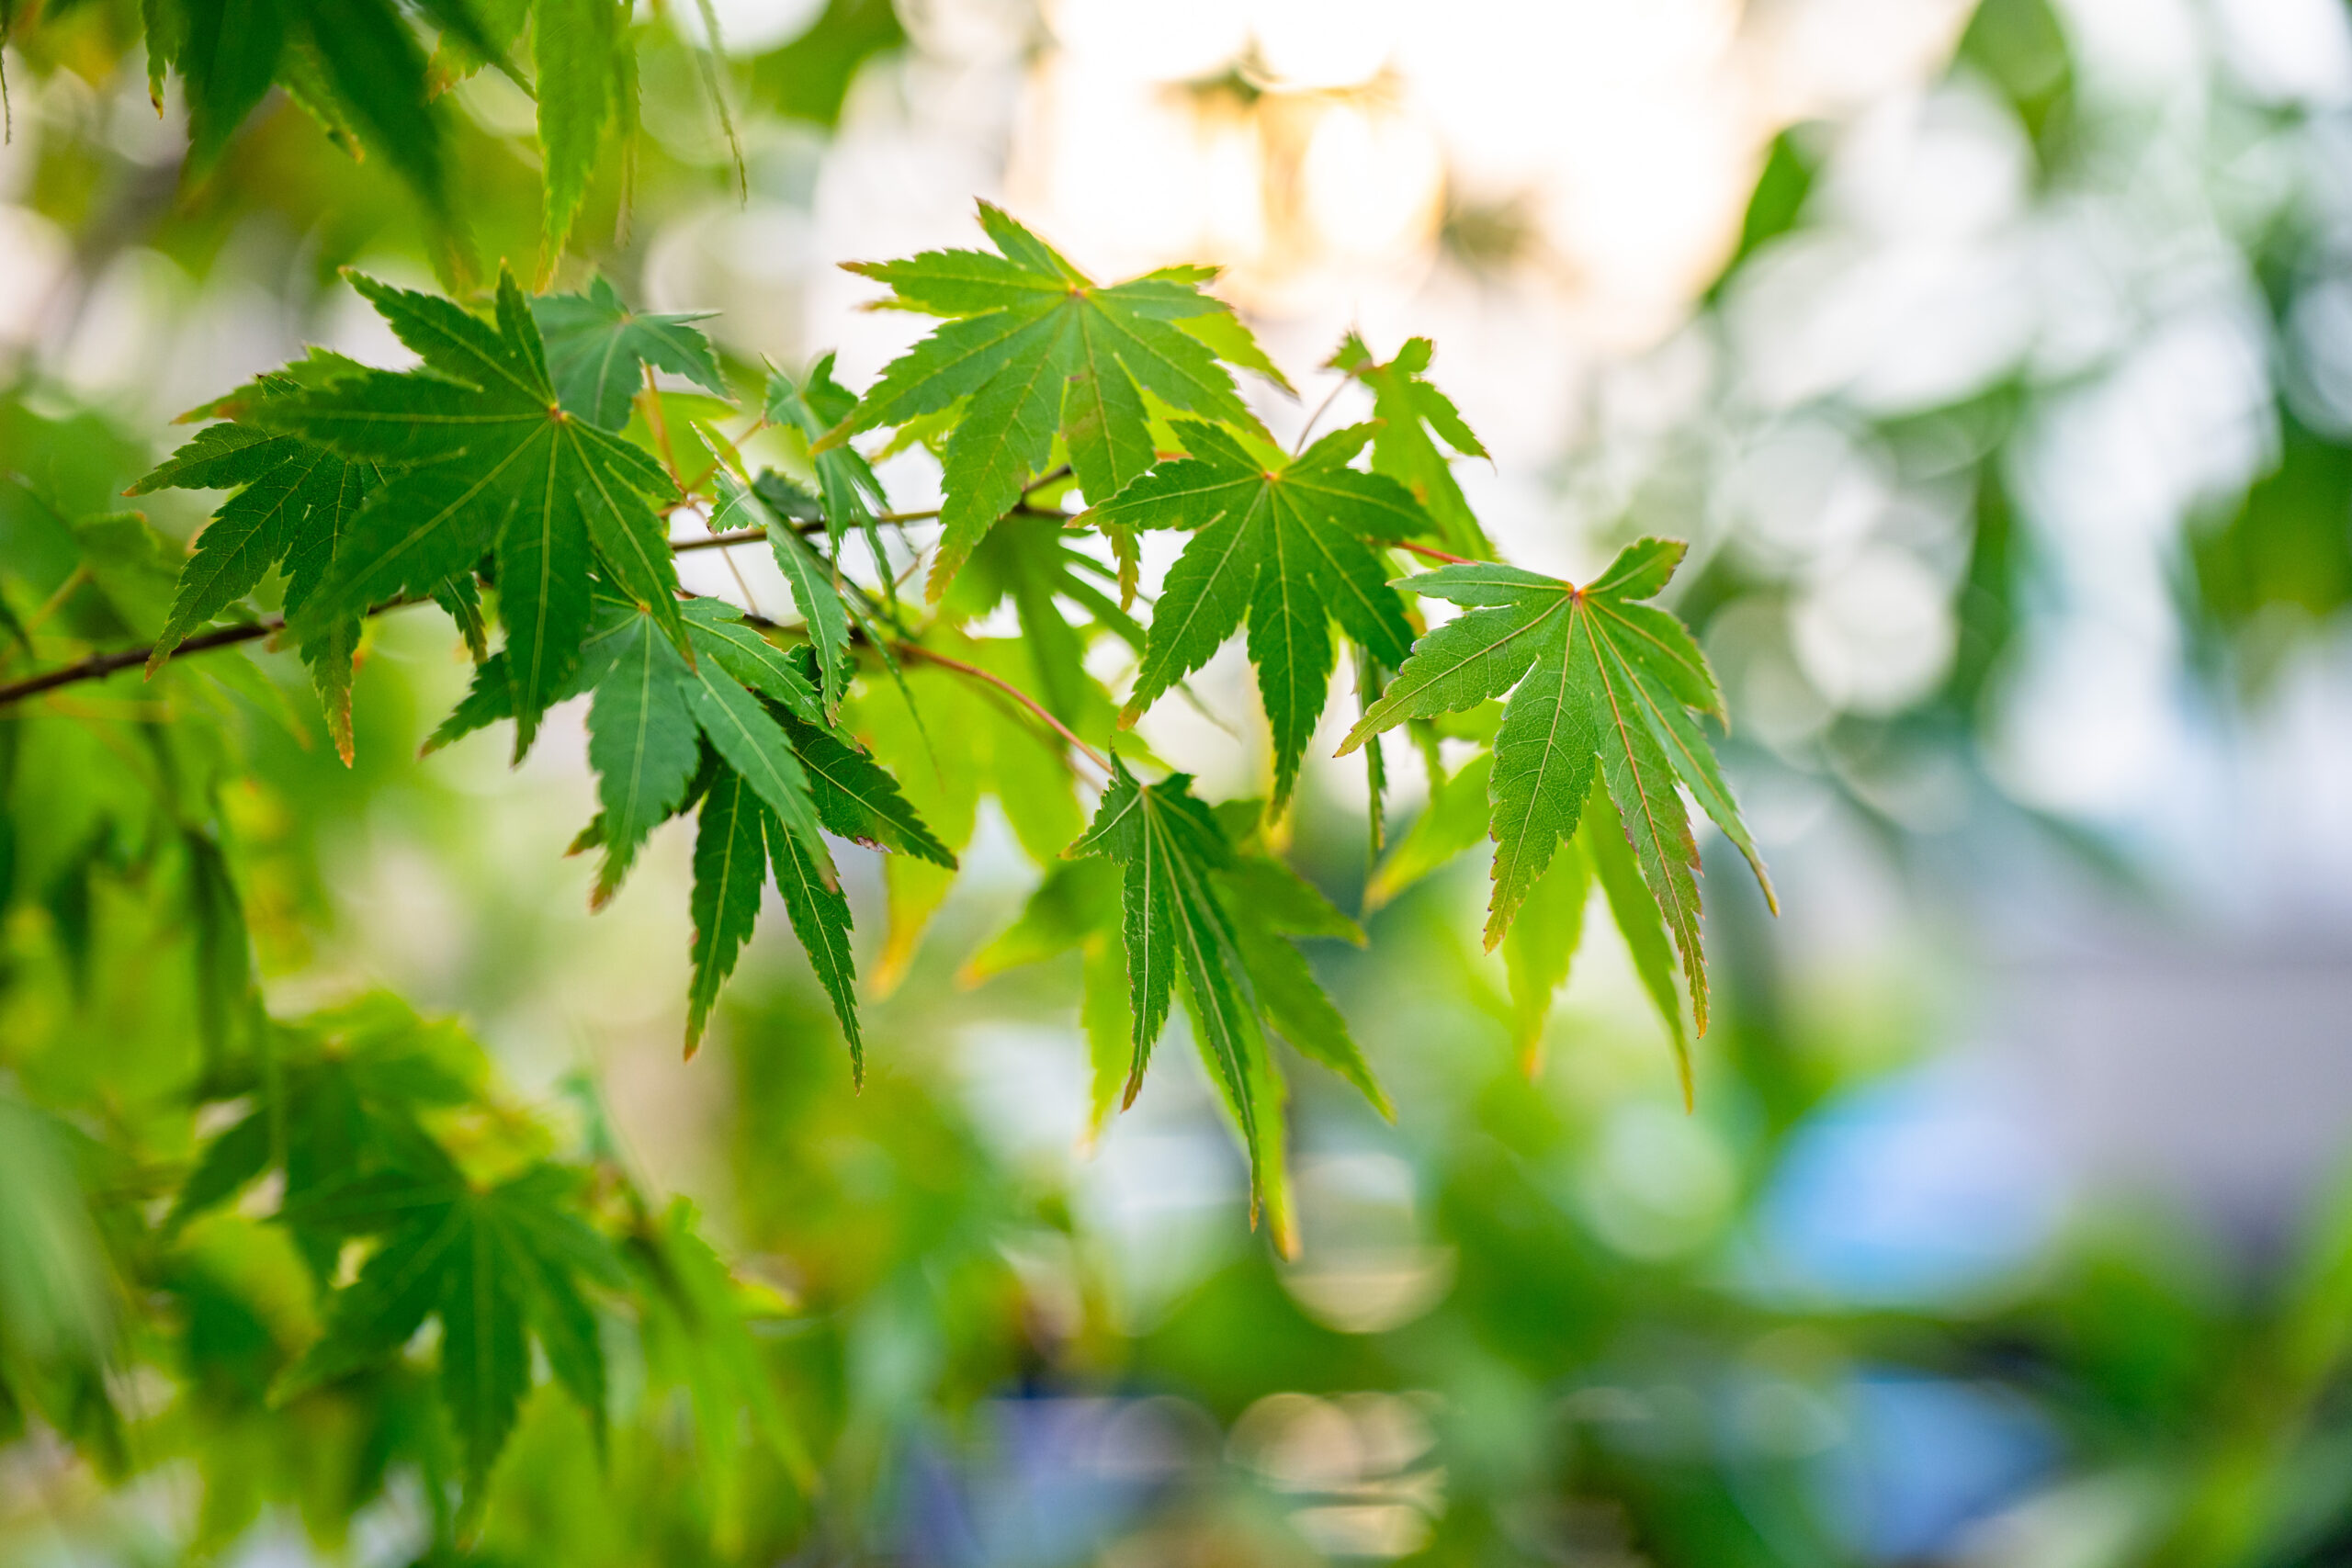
[(811, 525), (735, 536), (97, 666)]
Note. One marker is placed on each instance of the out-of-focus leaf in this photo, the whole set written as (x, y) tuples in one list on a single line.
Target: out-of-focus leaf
[(575, 46), (1542, 945)]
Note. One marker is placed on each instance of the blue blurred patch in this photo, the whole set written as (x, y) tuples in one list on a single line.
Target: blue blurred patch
[(1924, 1190), (1925, 1459), (1053, 1479)]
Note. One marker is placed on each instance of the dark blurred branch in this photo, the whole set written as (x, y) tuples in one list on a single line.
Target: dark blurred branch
[(97, 666)]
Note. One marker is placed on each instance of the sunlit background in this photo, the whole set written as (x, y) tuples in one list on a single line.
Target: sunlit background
[(1998, 366)]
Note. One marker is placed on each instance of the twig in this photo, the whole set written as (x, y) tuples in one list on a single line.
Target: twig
[(815, 525), (99, 665), (736, 536)]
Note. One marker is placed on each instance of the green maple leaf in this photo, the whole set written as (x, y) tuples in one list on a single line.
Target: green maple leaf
[(814, 579), (1031, 562), (858, 799), (1283, 547), (1080, 905), (737, 840), (586, 76), (1034, 347), (642, 742), (652, 712), (485, 459), (778, 779), (355, 65), (294, 502), (1541, 947), (849, 493), (698, 1334), (598, 348), (1269, 902), (821, 919), (1595, 678), (1077, 905), (1168, 847), (730, 868), (341, 1107), (1190, 905), (1414, 416), (1454, 818), (497, 1267)]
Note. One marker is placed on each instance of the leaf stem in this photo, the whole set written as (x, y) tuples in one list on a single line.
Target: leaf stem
[(1320, 410), (661, 427), (56, 601), (916, 650), (1430, 553)]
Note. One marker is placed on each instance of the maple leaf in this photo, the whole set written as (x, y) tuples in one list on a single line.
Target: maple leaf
[(1032, 562), (642, 742), (754, 703), (1076, 904), (848, 493), (355, 65), (777, 776), (343, 1108), (1032, 346), (586, 82), (857, 799), (998, 749), (1541, 947), (1414, 416), (813, 578), (293, 503), (1169, 846), (1190, 904), (698, 1334), (487, 461), (598, 348), (1284, 547), (737, 840), (1269, 903), (497, 1267), (1595, 677), (730, 868)]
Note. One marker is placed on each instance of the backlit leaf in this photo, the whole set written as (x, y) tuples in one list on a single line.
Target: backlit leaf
[(1288, 548)]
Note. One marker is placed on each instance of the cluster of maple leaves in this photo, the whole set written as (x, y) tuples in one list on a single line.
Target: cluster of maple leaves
[(528, 468)]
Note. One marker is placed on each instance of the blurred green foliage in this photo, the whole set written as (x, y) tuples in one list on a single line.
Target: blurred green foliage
[(1543, 1318)]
